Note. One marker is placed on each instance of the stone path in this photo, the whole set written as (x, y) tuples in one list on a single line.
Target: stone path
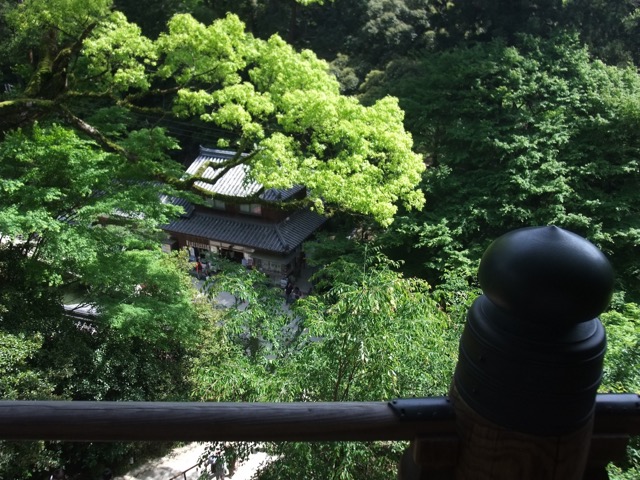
[(182, 459)]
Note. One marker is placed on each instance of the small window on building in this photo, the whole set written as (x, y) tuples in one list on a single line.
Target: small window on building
[(251, 208), (217, 204)]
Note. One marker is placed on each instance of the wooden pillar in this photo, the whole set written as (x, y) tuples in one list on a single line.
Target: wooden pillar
[(531, 358), (491, 451)]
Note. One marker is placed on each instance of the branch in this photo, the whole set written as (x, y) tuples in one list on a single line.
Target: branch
[(139, 96), (43, 73), (37, 248), (50, 77), (87, 94), (19, 111), (95, 134), (143, 110)]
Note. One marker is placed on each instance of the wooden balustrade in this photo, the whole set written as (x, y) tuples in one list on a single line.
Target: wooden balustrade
[(302, 421), (431, 425), (125, 421)]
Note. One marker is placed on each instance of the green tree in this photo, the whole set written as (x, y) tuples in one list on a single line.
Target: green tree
[(621, 373), (280, 106), (609, 28), (378, 337), (268, 17), (152, 15), (390, 29), (82, 171), (458, 22), (75, 220), (71, 214), (532, 134), (622, 362), (373, 335), (18, 381)]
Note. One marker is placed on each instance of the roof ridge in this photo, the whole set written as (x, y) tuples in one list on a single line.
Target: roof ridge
[(280, 237), (218, 152)]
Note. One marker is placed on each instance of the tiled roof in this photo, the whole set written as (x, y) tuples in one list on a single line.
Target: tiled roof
[(233, 183), (277, 195), (181, 202), (255, 233)]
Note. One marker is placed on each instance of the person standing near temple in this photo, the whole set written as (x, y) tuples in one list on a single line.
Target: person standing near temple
[(287, 292)]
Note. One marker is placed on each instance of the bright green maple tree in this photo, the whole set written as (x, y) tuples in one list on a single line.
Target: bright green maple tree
[(280, 106)]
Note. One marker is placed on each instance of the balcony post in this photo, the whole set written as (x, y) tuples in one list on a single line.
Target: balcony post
[(531, 357)]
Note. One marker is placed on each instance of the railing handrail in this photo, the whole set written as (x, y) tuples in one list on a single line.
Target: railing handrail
[(207, 421), (184, 473), (301, 421)]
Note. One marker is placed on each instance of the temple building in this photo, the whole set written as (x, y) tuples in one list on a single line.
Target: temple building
[(242, 220)]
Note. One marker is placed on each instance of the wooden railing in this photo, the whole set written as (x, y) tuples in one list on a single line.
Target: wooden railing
[(430, 423), (615, 414), (183, 475), (256, 422)]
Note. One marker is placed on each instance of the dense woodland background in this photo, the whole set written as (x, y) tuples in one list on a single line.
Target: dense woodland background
[(424, 129)]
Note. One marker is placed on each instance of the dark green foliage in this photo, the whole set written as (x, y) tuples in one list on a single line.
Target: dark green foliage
[(622, 363), (152, 15), (75, 218), (611, 28), (460, 22), (533, 134), (519, 125), (622, 373), (381, 30)]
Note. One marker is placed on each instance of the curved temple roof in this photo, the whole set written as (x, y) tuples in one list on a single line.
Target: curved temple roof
[(235, 182), (253, 232), (279, 237)]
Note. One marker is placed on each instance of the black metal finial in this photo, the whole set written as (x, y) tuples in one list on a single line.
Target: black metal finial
[(547, 275), (532, 350)]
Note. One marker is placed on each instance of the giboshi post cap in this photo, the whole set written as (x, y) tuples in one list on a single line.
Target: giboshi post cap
[(547, 275)]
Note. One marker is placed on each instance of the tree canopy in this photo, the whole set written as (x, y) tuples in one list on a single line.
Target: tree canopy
[(368, 335), (280, 106), (531, 134), (83, 168)]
